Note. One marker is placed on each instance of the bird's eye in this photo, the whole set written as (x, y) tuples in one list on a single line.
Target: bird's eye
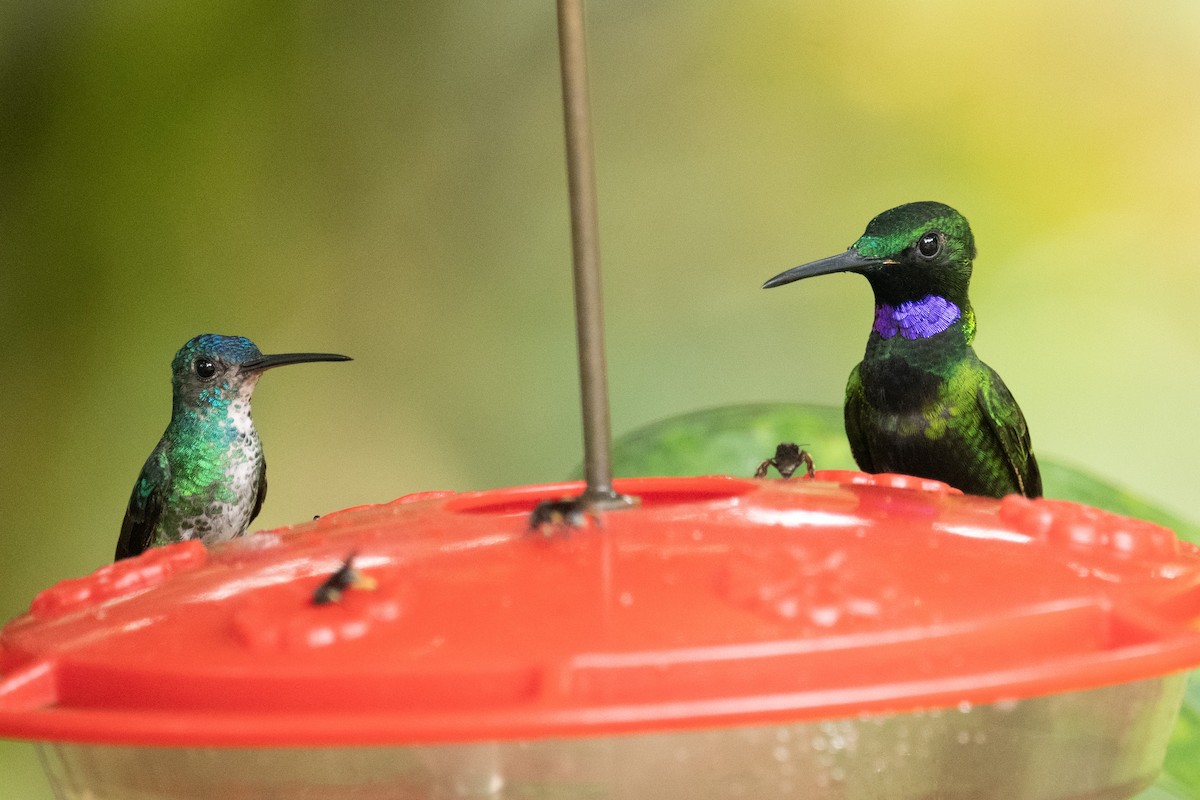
[(929, 245), (205, 368)]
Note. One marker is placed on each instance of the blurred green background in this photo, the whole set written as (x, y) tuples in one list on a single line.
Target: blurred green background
[(387, 181)]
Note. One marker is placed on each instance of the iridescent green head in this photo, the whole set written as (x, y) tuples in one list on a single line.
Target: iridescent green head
[(211, 370), (907, 253)]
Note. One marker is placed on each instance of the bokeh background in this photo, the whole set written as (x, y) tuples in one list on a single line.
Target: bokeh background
[(388, 181)]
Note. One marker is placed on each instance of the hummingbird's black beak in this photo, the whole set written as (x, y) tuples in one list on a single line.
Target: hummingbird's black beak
[(849, 261), (283, 359)]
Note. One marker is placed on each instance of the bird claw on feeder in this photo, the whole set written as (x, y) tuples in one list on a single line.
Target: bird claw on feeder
[(788, 458), (345, 578)]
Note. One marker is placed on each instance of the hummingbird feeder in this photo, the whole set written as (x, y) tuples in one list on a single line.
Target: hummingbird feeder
[(850, 635), (839, 636)]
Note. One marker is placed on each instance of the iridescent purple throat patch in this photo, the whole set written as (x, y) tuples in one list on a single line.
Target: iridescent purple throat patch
[(916, 319)]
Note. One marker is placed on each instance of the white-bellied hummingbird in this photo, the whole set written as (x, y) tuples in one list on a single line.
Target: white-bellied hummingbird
[(207, 478)]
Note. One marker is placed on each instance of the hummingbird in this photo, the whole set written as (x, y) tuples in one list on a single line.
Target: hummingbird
[(207, 478), (921, 402)]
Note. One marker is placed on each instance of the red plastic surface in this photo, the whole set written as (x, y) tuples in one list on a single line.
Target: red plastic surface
[(718, 601)]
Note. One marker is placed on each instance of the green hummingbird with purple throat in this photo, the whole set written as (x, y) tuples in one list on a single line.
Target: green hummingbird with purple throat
[(921, 402), (207, 478)]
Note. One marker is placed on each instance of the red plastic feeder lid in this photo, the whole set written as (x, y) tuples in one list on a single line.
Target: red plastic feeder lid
[(719, 601)]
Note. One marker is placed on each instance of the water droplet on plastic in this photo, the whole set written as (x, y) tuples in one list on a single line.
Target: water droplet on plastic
[(825, 616), (787, 608), (863, 607)]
